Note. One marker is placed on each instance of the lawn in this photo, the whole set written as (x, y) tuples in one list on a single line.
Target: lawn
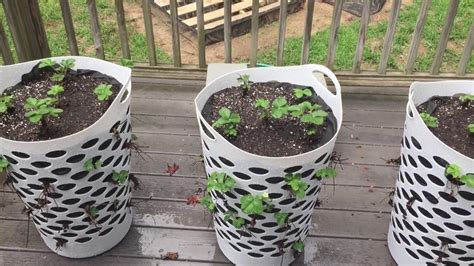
[(52, 18), (348, 35)]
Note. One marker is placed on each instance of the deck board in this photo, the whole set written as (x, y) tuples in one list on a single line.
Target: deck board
[(349, 227)]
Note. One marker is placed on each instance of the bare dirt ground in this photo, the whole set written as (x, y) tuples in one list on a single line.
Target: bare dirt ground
[(268, 34)]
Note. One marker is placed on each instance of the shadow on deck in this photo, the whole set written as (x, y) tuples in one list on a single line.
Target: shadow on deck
[(350, 226)]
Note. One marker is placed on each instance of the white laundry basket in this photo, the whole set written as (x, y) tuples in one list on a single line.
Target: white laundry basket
[(63, 222), (259, 174), (437, 224)]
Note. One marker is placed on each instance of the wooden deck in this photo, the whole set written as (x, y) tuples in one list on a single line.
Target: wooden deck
[(349, 227)]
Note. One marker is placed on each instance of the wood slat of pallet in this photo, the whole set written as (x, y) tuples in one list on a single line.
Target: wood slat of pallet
[(219, 13), (189, 8), (162, 3), (217, 23)]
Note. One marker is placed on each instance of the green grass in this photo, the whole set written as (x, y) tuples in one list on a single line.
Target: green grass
[(57, 39), (348, 35)]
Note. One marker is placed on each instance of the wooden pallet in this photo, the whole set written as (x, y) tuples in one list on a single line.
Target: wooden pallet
[(214, 15)]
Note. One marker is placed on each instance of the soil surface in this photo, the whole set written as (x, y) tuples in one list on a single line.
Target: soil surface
[(80, 105), (453, 118), (269, 137)]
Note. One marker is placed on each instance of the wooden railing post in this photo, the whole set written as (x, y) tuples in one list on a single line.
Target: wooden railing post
[(69, 26), (388, 40), (4, 47), (201, 33), (254, 33), (281, 32), (307, 32), (95, 27), (336, 20), (364, 23), (122, 29), (227, 31), (416, 38), (466, 53), (27, 29), (175, 33), (150, 37)]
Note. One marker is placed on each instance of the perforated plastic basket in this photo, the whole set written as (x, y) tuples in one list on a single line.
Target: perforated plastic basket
[(438, 224), (258, 174), (63, 222)]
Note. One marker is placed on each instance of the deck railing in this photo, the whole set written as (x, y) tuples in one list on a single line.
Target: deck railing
[(28, 33)]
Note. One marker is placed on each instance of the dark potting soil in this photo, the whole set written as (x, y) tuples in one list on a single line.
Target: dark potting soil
[(271, 137), (453, 118), (80, 105)]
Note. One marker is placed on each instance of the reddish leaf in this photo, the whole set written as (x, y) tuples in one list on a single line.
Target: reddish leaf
[(172, 169), (170, 256), (193, 200)]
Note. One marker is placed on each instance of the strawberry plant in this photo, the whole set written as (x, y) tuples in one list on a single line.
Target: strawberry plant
[(220, 182), (90, 165), (326, 172), (430, 121), (454, 171), (470, 128), (231, 217), (309, 114), (120, 177), (3, 164), (127, 62), (466, 98), (245, 82), (55, 90), (5, 103), (103, 92), (281, 218), (263, 104), (207, 202), (300, 93), (40, 109), (60, 69), (228, 121), (297, 186), (279, 107), (253, 204)]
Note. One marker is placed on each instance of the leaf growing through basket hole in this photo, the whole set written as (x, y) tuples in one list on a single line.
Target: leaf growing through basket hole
[(3, 164), (297, 186), (103, 92), (470, 128), (5, 103), (467, 179), (207, 202), (300, 93), (455, 172), (281, 217), (298, 246), (120, 177), (279, 107), (231, 217), (127, 62), (220, 182), (326, 172), (90, 165), (430, 121), (228, 120), (171, 169), (253, 204)]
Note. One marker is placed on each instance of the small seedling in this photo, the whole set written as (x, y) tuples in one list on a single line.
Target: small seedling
[(228, 121), (279, 107), (310, 114), (454, 171), (103, 92), (281, 218), (60, 69), (300, 93), (40, 109), (55, 90), (207, 202), (90, 165), (92, 213), (264, 105), (297, 186), (298, 246), (220, 182), (5, 103), (127, 62), (430, 121), (245, 82), (467, 98), (120, 177), (326, 172), (231, 217), (3, 164), (470, 128), (253, 204)]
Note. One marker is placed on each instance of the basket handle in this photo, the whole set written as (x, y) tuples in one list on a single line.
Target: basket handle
[(326, 71)]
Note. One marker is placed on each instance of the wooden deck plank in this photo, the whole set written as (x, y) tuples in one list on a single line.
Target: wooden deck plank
[(201, 246)]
